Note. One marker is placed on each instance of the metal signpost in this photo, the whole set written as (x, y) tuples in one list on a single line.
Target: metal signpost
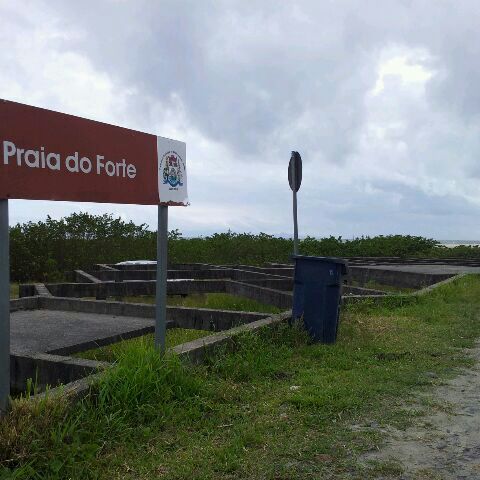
[(162, 269), (4, 308), (47, 155), (295, 180)]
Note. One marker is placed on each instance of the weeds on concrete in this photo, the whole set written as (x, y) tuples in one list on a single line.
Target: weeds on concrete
[(14, 290), (111, 353)]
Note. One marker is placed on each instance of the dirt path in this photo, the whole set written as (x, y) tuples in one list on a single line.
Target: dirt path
[(446, 443)]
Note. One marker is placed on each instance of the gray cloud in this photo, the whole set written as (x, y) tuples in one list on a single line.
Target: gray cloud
[(246, 82), (244, 74), (247, 71)]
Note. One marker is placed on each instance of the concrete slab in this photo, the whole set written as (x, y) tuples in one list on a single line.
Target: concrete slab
[(60, 332), (427, 269)]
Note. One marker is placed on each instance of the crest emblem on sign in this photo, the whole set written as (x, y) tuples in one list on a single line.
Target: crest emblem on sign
[(173, 169)]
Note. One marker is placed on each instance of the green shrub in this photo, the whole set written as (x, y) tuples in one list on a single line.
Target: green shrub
[(43, 251), (47, 439)]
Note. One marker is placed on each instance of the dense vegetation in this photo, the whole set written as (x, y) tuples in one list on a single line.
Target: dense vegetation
[(45, 250), (278, 407)]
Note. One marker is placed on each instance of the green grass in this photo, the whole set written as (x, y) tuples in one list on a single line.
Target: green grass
[(14, 290), (111, 353), (216, 301), (386, 288), (277, 408)]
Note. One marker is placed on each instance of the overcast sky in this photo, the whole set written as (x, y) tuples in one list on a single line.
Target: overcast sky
[(381, 98)]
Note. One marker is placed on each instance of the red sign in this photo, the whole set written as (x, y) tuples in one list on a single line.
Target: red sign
[(46, 155)]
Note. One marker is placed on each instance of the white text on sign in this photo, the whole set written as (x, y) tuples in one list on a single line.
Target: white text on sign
[(75, 163)]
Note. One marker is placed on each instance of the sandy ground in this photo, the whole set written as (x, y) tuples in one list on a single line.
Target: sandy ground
[(444, 444)]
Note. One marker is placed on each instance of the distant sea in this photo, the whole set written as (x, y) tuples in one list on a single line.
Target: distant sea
[(456, 243)]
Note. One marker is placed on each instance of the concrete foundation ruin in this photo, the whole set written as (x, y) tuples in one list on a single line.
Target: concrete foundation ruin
[(50, 322)]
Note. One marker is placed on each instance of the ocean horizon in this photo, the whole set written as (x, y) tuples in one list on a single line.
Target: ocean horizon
[(457, 243)]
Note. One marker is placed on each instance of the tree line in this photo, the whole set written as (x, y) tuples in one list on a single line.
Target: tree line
[(45, 250)]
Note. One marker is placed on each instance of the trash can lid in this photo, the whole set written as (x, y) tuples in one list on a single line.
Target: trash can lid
[(322, 259), (337, 260)]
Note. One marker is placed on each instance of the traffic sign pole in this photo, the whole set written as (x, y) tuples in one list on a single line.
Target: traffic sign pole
[(295, 219), (295, 180), (4, 308)]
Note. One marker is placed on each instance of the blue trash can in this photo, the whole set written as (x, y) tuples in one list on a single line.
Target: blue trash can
[(317, 293)]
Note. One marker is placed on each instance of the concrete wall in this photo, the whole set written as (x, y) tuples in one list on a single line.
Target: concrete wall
[(197, 350), (27, 303), (279, 271), (127, 288), (284, 284), (267, 296), (395, 278), (173, 266), (206, 319), (211, 273), (45, 369), (181, 317), (197, 274), (467, 262), (26, 290), (349, 290), (81, 277)]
